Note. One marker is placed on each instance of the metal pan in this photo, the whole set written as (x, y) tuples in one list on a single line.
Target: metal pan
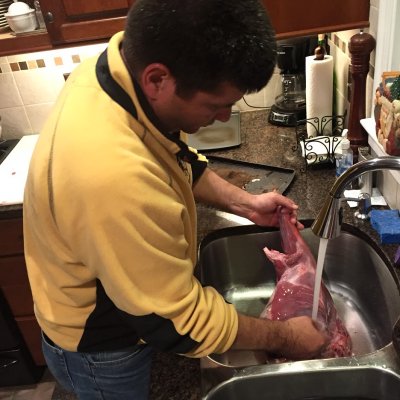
[(254, 178)]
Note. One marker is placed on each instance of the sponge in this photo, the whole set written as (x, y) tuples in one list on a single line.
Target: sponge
[(387, 224)]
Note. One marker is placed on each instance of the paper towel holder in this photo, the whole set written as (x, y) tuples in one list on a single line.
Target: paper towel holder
[(324, 138)]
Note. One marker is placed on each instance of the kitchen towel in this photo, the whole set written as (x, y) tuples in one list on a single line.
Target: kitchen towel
[(14, 171), (319, 93)]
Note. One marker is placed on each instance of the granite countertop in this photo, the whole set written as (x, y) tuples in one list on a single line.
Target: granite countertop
[(176, 377)]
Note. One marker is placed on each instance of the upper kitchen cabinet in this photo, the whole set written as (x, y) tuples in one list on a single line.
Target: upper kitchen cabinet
[(71, 21), (301, 18), (74, 22)]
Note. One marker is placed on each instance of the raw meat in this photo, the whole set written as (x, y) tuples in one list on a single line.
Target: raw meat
[(293, 295)]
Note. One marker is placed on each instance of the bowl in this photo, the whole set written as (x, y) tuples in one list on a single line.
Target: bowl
[(18, 8), (25, 22)]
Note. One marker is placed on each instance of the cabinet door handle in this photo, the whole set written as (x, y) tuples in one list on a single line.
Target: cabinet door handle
[(49, 17), (6, 363)]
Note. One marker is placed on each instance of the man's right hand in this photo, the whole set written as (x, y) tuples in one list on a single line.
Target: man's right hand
[(304, 339), (296, 338)]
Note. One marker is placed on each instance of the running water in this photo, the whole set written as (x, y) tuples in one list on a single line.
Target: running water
[(318, 276)]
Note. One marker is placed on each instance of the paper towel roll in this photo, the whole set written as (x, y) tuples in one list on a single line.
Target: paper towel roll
[(319, 92)]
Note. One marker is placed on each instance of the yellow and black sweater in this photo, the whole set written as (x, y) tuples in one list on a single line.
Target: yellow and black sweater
[(110, 224)]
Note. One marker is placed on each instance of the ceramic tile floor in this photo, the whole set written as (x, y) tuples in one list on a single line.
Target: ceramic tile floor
[(46, 389)]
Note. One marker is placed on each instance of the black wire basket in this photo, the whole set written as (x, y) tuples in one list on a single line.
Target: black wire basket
[(319, 138)]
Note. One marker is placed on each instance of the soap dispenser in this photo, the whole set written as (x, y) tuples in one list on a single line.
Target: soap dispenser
[(344, 158)]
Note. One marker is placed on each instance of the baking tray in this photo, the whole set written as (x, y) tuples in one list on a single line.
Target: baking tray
[(219, 135), (254, 178)]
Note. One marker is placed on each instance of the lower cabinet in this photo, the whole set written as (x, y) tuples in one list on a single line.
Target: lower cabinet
[(17, 368), (21, 356), (17, 363), (31, 334)]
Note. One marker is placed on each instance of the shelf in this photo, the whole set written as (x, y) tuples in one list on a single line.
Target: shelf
[(12, 44), (369, 125)]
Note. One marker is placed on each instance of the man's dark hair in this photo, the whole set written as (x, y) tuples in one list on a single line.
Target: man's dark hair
[(203, 42)]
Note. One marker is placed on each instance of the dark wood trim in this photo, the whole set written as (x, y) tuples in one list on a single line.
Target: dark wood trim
[(291, 17), (85, 31), (324, 29), (24, 44)]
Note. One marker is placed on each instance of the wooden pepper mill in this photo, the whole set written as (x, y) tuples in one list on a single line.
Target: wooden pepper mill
[(360, 47)]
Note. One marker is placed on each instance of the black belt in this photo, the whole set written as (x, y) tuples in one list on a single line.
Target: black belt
[(48, 340)]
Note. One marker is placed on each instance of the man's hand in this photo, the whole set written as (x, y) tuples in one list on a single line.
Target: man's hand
[(304, 339), (262, 209), (295, 338)]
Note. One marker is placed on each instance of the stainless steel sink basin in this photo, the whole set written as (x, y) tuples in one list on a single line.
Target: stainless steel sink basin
[(366, 293), (358, 383)]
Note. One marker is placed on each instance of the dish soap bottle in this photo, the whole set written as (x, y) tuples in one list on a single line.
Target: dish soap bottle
[(344, 159)]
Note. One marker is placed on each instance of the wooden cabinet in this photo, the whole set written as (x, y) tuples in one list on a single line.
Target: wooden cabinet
[(71, 21), (301, 18), (14, 285), (79, 22)]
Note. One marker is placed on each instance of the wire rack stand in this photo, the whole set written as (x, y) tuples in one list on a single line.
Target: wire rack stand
[(318, 139)]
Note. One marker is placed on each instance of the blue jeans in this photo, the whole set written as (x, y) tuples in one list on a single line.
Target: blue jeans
[(112, 375)]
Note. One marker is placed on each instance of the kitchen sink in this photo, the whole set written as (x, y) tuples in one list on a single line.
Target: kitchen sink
[(358, 383), (365, 290)]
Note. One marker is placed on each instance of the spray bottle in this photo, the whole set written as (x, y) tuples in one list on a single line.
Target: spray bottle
[(344, 158)]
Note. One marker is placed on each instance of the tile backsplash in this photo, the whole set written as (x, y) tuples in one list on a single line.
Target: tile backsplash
[(30, 84)]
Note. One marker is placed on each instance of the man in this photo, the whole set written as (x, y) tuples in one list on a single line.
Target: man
[(109, 208)]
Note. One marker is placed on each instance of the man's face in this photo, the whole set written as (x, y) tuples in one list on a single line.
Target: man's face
[(199, 110)]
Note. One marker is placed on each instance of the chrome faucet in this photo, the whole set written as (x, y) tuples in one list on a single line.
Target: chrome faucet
[(328, 222)]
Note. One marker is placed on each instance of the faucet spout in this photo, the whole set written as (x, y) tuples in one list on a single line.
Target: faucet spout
[(329, 220)]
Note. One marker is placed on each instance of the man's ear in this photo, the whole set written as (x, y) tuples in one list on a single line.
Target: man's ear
[(156, 80)]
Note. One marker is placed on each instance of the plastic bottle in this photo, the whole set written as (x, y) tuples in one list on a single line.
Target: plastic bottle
[(39, 15), (344, 159)]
